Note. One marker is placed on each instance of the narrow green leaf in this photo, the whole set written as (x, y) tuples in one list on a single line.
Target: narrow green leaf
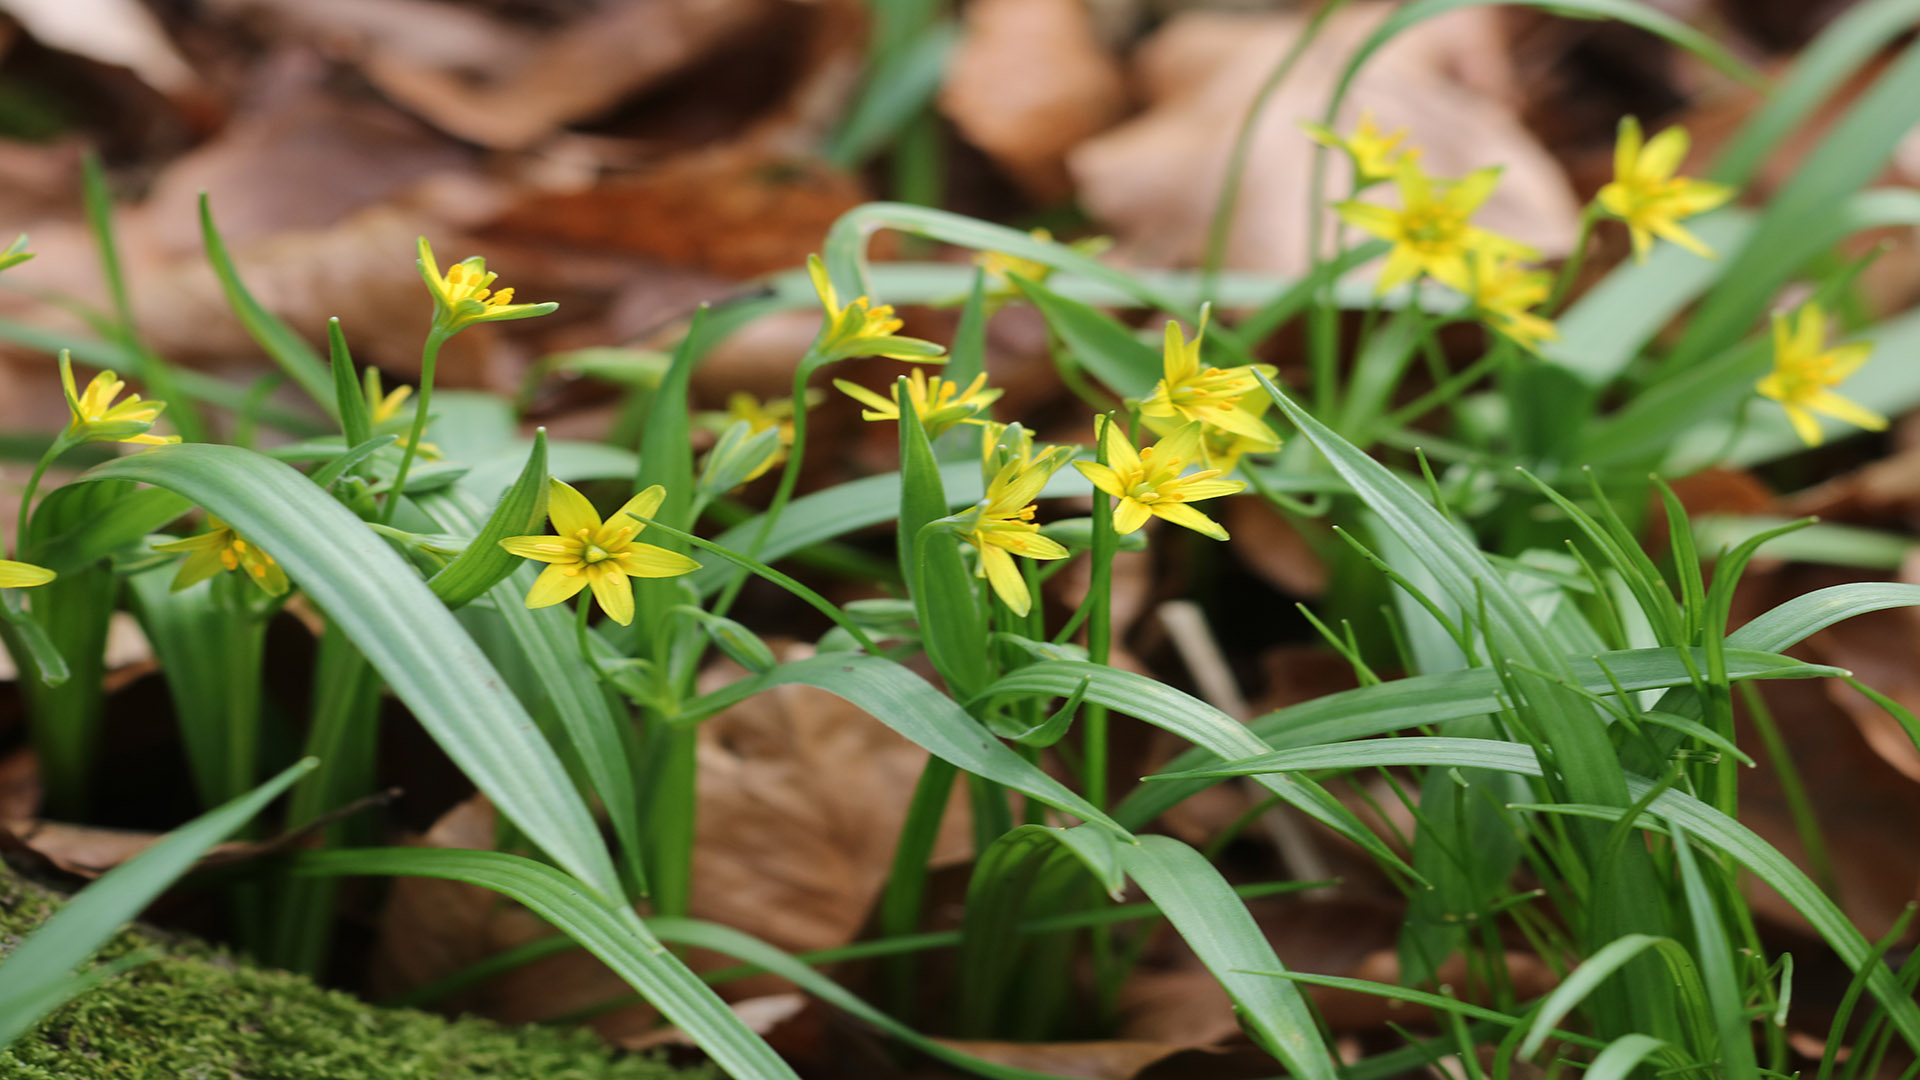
[(1127, 365), (349, 400), (1602, 965), (614, 934), (1191, 719), (1719, 831), (49, 956), (1724, 998), (287, 348), (945, 601)]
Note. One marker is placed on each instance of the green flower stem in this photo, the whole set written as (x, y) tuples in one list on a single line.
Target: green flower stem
[(1220, 228), (429, 355), (33, 487), (1099, 639), (1570, 270), (789, 475), (1450, 388)]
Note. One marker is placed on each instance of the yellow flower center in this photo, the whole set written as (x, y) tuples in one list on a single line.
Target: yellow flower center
[(1433, 229)]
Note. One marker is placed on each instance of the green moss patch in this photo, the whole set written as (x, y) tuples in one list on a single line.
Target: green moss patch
[(197, 1013)]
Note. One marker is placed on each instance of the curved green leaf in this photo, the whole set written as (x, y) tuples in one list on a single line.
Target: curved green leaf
[(614, 934), (287, 348), (34, 972), (404, 630), (485, 563), (908, 704), (1191, 719)]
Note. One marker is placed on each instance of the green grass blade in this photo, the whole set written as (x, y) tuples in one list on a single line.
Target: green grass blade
[(410, 638), (1622, 1056), (287, 348), (348, 397), (1456, 695), (1598, 968), (86, 922), (1724, 1000), (614, 934), (896, 90), (910, 705), (1809, 613), (1193, 720)]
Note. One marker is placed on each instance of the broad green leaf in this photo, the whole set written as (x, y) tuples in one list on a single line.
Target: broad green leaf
[(545, 641), (404, 630), (945, 601), (485, 563), (614, 934), (1216, 926), (33, 972), (98, 528), (910, 705)]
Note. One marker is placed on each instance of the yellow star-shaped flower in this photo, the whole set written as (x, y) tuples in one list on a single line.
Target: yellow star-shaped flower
[(587, 552), (1432, 231), (220, 548), (1805, 373), (92, 415), (465, 295), (1648, 197), (859, 328), (1207, 395), (1375, 154), (1003, 527), (1149, 482), (940, 403), (1502, 291)]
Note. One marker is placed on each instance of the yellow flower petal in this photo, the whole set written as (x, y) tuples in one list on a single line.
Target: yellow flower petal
[(651, 561), (644, 505), (555, 586), (547, 549), (1184, 515), (19, 575), (569, 510), (612, 592), (1129, 515), (1101, 476), (1005, 578)]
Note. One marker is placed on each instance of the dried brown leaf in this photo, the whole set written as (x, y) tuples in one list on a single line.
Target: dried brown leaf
[(1030, 81)]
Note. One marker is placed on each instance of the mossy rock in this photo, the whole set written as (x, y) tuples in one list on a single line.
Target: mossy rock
[(197, 1013)]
